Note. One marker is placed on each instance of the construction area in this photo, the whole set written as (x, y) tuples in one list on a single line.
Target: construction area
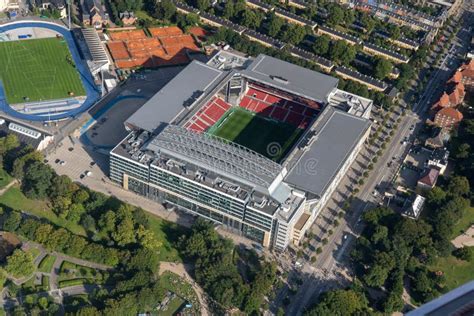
[(151, 47)]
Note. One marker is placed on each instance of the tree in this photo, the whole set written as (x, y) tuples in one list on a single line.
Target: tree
[(436, 196), (88, 222), (164, 10), (383, 67), (368, 22), (250, 18), (463, 253), (462, 151), (37, 180), (124, 233), (148, 239), (376, 276), (107, 222), (342, 52), (336, 15), (394, 31), (340, 302), (229, 10), (61, 186), (202, 5), (458, 186), (20, 264), (349, 17), (12, 221), (143, 260), (293, 34), (274, 24), (321, 45)]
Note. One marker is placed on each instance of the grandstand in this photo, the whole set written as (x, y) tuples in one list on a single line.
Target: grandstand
[(245, 143)]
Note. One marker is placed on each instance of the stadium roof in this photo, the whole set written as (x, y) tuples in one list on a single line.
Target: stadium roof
[(217, 155), (181, 92), (335, 137), (292, 78)]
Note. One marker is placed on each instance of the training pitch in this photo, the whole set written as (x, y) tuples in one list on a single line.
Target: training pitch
[(38, 70), (263, 135)]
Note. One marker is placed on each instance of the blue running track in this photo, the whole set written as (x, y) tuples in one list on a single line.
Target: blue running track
[(92, 92)]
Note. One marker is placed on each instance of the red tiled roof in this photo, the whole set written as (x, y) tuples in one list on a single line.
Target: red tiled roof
[(454, 97), (443, 102), (451, 113), (430, 178), (457, 77)]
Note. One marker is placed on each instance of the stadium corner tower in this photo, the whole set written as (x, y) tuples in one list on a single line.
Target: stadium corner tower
[(257, 145)]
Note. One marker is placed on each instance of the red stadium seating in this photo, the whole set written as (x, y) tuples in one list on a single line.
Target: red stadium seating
[(277, 105), (279, 114), (208, 115), (294, 118)]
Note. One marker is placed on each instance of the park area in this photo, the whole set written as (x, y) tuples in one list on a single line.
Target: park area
[(265, 136), (38, 70)]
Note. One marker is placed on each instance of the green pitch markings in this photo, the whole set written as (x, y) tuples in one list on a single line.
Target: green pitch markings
[(38, 70), (263, 135)]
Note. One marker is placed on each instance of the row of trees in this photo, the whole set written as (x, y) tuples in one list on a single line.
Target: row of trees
[(105, 219)]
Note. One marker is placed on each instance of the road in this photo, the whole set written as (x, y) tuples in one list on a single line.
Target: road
[(318, 278)]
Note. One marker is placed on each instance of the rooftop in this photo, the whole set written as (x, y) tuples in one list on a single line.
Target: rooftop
[(325, 149), (179, 94), (289, 77), (212, 153)]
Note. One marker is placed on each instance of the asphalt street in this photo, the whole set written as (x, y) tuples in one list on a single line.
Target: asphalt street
[(317, 279)]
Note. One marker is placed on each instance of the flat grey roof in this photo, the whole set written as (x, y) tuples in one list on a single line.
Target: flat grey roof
[(336, 135), (292, 78), (173, 98)]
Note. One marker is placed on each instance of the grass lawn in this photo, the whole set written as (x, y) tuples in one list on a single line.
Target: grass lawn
[(173, 307), (5, 178), (464, 223), (457, 272), (73, 272), (167, 233), (15, 199), (268, 137), (46, 264), (72, 282), (38, 69), (34, 252)]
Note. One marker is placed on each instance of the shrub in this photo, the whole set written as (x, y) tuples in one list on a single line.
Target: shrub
[(464, 253)]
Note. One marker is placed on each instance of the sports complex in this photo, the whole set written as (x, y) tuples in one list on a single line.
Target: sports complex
[(42, 74), (257, 145)]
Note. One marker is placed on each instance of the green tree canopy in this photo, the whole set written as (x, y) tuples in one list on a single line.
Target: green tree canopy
[(20, 264)]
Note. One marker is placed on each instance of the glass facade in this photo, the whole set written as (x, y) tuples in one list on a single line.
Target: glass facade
[(162, 186)]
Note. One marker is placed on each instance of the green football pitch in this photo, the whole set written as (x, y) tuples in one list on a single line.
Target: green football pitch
[(38, 70), (265, 136)]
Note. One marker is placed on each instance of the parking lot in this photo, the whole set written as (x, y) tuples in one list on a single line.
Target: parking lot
[(412, 168)]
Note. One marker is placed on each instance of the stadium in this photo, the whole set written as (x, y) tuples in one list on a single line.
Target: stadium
[(257, 145), (43, 75)]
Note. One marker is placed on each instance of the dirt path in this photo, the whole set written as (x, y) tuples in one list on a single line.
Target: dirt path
[(180, 269), (8, 186), (465, 239)]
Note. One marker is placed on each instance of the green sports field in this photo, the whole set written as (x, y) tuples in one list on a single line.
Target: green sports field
[(38, 69), (268, 137)]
